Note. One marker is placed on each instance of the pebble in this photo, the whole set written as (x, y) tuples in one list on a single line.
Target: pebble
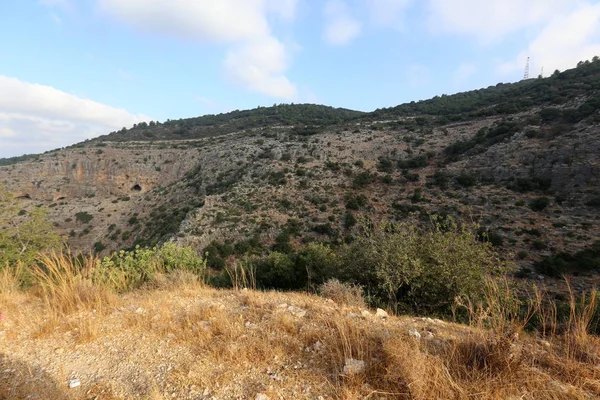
[(354, 367), (414, 333), (381, 313), (73, 383)]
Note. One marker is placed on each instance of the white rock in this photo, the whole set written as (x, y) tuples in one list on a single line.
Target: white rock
[(73, 383), (352, 315), (365, 313), (261, 396), (429, 336), (296, 311), (354, 367), (414, 333), (381, 313)]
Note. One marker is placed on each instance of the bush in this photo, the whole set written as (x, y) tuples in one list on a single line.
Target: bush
[(539, 204), (466, 180), (343, 293), (127, 270), (277, 271), (83, 217), (423, 270)]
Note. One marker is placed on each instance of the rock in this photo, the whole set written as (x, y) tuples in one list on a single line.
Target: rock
[(429, 335), (296, 311), (381, 313), (73, 383), (317, 346), (282, 305), (59, 350), (365, 313), (354, 367), (352, 315), (414, 333), (261, 396)]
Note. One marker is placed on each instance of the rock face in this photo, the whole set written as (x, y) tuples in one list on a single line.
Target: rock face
[(95, 172)]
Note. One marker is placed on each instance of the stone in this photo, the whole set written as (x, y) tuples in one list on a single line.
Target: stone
[(365, 313), (73, 383), (261, 396), (354, 367), (381, 313), (414, 333), (296, 311)]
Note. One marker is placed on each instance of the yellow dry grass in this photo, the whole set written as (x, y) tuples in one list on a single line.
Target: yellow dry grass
[(177, 338)]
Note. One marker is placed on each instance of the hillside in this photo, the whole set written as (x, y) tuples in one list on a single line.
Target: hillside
[(178, 339), (520, 159)]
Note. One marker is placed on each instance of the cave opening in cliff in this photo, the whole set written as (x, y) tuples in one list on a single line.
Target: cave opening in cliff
[(24, 197), (136, 188)]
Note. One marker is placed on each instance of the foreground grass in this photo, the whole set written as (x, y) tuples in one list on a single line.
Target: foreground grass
[(177, 338)]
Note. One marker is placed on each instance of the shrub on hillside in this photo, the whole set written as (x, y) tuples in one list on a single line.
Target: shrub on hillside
[(343, 293), (127, 270), (422, 269)]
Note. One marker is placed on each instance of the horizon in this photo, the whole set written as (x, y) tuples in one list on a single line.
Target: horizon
[(73, 71)]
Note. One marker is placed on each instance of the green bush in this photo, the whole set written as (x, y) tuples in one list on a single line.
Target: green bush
[(422, 270), (277, 270), (83, 217), (539, 204), (127, 270)]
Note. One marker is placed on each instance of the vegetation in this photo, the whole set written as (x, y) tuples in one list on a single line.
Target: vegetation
[(23, 234)]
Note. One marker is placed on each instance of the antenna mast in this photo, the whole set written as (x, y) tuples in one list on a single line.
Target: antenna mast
[(526, 76)]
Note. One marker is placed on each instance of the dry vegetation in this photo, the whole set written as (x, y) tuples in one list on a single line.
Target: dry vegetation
[(177, 338)]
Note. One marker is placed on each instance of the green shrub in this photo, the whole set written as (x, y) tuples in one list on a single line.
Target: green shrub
[(277, 271), (422, 269), (539, 204), (83, 217), (127, 270), (466, 180)]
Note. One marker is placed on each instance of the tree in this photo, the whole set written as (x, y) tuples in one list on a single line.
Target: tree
[(23, 234)]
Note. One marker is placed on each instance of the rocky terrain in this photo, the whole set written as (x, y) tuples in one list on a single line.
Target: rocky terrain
[(519, 159), (181, 340)]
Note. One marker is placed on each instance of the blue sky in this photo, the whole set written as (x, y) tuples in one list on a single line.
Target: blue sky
[(75, 69)]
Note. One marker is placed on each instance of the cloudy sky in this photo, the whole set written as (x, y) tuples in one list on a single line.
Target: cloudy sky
[(75, 69)]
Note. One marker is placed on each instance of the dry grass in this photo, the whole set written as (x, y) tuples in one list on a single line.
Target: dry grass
[(343, 293), (177, 338)]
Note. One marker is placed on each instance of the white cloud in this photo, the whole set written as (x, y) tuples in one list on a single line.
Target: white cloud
[(257, 59), (35, 118), (260, 66), (492, 19), (565, 40), (341, 27), (388, 12), (463, 73)]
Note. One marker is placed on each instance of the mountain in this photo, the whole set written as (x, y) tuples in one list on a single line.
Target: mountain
[(522, 159)]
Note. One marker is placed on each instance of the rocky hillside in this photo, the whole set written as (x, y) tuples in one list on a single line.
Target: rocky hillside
[(180, 340), (521, 159)]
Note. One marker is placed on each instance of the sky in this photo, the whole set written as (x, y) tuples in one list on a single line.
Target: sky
[(76, 69)]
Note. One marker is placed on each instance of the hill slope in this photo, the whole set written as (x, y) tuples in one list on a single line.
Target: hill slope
[(184, 341), (521, 159)]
